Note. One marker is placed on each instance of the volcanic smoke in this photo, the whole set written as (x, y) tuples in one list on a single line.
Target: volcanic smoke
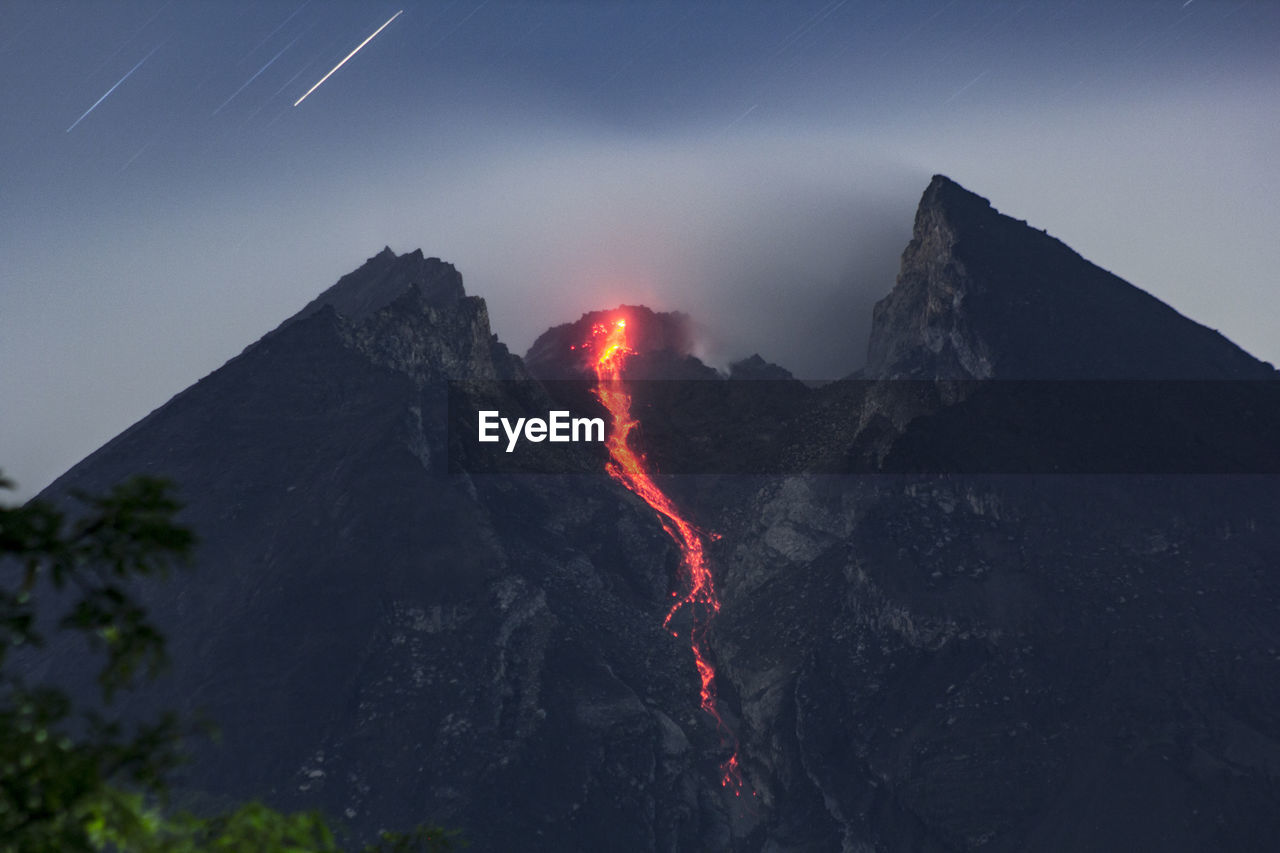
[(609, 341)]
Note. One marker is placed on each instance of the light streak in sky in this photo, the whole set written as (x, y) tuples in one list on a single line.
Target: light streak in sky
[(731, 124), (456, 26), (286, 85), (803, 30), (278, 28), (126, 42), (348, 56), (135, 156), (962, 89), (112, 89), (255, 76)]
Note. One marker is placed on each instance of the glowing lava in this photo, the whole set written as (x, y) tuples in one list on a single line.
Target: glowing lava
[(609, 343)]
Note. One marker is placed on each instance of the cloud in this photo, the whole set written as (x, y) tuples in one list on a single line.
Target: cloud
[(777, 243)]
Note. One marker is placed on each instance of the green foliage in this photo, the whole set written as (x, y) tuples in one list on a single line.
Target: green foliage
[(424, 839), (55, 766), (252, 827), (74, 780)]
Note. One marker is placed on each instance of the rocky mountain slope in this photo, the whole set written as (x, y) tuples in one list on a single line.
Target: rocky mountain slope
[(928, 661), (981, 295)]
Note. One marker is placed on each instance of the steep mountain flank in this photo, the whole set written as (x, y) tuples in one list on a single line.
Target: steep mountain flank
[(981, 295)]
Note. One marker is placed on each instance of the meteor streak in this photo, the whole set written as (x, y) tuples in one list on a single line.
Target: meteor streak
[(348, 56), (255, 76), (629, 468), (112, 89), (278, 28)]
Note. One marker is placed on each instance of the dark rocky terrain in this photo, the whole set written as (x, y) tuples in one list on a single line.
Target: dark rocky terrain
[(921, 661), (981, 295)]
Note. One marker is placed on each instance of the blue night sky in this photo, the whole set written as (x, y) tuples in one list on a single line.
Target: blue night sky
[(755, 164)]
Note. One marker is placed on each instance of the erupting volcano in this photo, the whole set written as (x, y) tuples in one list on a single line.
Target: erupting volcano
[(609, 347)]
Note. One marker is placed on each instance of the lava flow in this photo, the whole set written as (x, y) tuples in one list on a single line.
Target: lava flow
[(628, 467)]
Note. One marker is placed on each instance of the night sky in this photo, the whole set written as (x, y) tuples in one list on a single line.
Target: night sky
[(755, 164)]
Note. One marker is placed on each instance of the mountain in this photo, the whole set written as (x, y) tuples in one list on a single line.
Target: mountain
[(981, 295), (926, 660), (378, 638), (663, 341)]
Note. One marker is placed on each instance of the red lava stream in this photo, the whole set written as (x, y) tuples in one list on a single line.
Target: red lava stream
[(609, 343)]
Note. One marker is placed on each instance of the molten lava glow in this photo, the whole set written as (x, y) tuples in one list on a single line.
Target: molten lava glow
[(609, 346)]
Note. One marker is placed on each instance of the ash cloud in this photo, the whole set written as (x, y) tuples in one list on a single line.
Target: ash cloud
[(773, 246)]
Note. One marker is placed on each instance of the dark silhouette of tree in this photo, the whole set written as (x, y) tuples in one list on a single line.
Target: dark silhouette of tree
[(73, 779)]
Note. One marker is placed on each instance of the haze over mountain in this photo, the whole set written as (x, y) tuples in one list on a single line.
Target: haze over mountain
[(909, 662)]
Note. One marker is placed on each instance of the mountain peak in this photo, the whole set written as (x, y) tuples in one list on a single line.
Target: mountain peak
[(944, 194), (383, 279), (662, 340), (982, 295), (755, 367)]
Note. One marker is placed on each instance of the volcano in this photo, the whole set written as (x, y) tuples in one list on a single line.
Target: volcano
[(661, 346), (905, 654)]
